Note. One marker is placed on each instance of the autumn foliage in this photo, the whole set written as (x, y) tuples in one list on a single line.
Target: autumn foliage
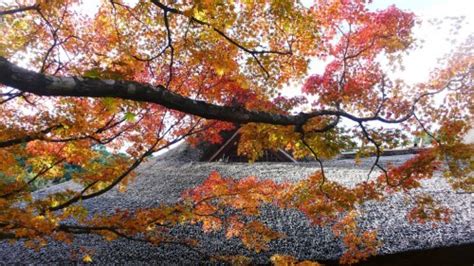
[(136, 78)]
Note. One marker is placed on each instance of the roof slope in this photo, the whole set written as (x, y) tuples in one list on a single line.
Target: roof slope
[(161, 181)]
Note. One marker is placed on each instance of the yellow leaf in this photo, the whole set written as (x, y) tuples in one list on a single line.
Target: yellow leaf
[(54, 203), (87, 259), (122, 188), (199, 15), (220, 71), (280, 260)]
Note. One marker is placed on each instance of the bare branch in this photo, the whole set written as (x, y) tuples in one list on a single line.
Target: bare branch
[(37, 136), (252, 52), (378, 154), (40, 173), (18, 10)]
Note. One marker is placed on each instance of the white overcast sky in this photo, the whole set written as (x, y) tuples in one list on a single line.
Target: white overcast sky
[(420, 62)]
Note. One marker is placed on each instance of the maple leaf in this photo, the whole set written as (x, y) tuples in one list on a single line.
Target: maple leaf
[(87, 258), (103, 92)]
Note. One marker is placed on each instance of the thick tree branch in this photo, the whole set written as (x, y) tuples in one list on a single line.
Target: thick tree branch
[(5, 236), (40, 84)]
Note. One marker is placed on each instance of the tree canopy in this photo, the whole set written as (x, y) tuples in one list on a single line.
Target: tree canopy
[(136, 77)]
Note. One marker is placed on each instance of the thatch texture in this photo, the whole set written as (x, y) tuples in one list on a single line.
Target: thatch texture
[(162, 180)]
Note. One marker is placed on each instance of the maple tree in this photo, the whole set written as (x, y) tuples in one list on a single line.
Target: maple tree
[(138, 78)]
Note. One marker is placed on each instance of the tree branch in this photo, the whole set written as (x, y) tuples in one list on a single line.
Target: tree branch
[(252, 52), (18, 10), (37, 136), (44, 85)]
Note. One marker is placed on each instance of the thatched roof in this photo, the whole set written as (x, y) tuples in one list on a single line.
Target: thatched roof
[(163, 178)]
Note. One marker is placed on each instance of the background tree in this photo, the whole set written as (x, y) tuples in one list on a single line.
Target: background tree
[(137, 78)]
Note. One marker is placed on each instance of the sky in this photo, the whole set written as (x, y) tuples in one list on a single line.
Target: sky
[(420, 62), (438, 40)]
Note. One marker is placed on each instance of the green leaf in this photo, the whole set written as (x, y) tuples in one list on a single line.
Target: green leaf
[(111, 104), (130, 116), (92, 73)]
